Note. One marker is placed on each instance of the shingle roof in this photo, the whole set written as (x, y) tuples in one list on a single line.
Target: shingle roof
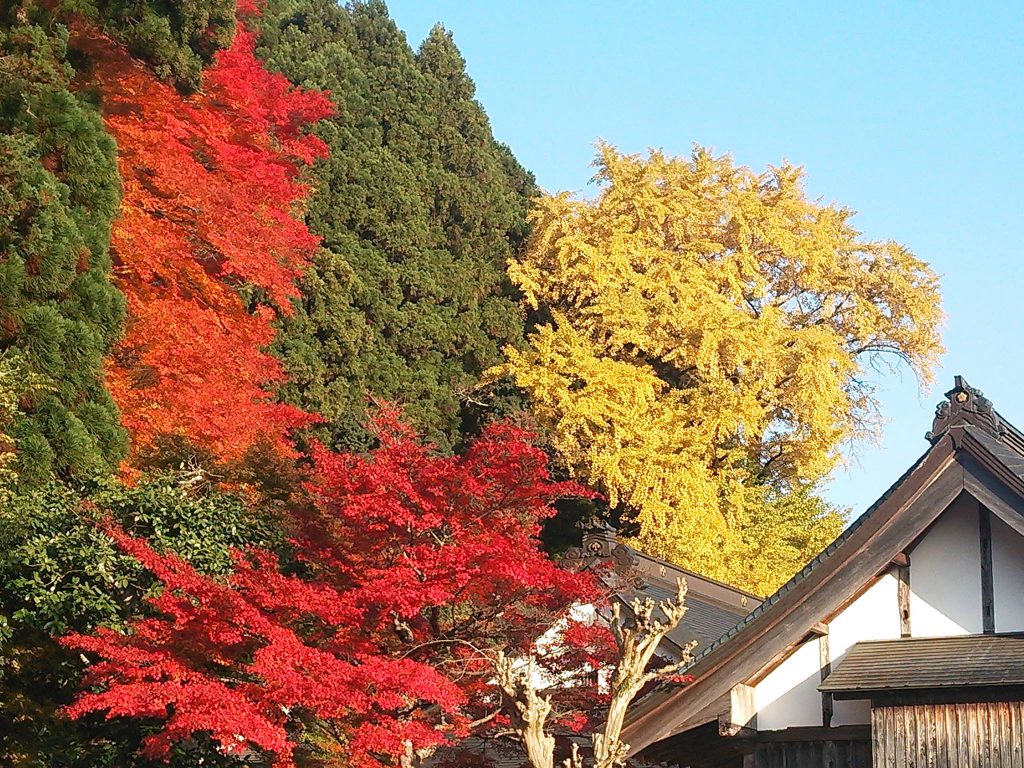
[(1008, 456), (712, 607), (705, 621), (966, 428), (929, 663)]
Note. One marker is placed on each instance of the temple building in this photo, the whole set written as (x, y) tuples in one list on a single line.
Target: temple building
[(902, 644)]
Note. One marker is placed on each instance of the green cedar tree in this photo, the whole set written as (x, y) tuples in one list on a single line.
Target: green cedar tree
[(177, 37), (60, 572), (419, 209), (59, 312)]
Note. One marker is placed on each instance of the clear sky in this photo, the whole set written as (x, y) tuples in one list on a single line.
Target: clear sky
[(910, 113)]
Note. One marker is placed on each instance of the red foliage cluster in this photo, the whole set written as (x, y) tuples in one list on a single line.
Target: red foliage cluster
[(210, 194), (408, 569)]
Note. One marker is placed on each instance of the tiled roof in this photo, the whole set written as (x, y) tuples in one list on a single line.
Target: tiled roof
[(930, 663), (704, 622), (712, 607), (1010, 457)]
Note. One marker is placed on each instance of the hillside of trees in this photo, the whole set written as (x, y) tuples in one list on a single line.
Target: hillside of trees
[(298, 363)]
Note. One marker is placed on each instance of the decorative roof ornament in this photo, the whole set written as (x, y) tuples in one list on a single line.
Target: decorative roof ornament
[(964, 405), (600, 542)]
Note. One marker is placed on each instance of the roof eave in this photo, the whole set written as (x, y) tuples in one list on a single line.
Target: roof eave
[(655, 718)]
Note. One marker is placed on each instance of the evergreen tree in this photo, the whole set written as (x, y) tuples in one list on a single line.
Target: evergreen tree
[(59, 571), (419, 210), (177, 37), (59, 312), (209, 246)]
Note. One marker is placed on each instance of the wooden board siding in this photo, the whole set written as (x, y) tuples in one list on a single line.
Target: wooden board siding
[(822, 754), (701, 747), (953, 735), (848, 747)]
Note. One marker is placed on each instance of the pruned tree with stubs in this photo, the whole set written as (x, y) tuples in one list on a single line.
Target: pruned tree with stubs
[(638, 631)]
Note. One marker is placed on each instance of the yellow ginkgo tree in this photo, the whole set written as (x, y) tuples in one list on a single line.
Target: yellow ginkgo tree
[(707, 337)]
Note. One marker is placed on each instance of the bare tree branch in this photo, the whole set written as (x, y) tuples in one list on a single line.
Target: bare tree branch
[(637, 637)]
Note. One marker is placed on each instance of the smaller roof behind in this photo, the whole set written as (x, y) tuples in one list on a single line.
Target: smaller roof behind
[(929, 663), (712, 607)]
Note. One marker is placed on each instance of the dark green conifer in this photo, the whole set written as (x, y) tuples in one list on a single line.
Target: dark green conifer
[(177, 37), (419, 210), (59, 312), (60, 572)]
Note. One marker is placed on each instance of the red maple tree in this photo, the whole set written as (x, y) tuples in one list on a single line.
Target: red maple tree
[(207, 246), (409, 569)]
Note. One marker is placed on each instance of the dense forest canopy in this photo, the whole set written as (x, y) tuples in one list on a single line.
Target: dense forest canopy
[(418, 209)]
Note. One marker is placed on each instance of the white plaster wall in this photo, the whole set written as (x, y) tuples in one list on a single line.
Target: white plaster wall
[(875, 615), (788, 696), (945, 575), (945, 599), (551, 642), (1007, 577)]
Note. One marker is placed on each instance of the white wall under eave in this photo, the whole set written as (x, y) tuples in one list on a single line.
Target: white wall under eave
[(875, 615), (945, 599), (788, 695), (1007, 577), (945, 575)]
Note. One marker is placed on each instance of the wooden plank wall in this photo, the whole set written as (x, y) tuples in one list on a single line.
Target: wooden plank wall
[(813, 754), (959, 735), (701, 747)]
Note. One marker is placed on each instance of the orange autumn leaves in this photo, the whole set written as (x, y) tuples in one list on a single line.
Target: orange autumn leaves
[(208, 244)]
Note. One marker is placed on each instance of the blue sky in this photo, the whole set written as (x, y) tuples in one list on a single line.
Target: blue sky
[(911, 114)]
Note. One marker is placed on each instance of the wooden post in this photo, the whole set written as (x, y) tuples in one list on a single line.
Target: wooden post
[(826, 669), (903, 597), (988, 612)]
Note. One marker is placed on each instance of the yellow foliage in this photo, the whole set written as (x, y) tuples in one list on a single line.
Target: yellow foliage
[(711, 328), (9, 390)]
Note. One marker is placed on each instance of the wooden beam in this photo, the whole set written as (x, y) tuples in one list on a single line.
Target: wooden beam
[(903, 597), (811, 733), (991, 491), (988, 614), (731, 730), (901, 560), (742, 715), (825, 660)]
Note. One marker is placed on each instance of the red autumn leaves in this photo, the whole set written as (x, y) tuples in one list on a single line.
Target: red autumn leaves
[(407, 569), (208, 245)]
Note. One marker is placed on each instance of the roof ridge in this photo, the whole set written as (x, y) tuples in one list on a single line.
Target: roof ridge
[(688, 572)]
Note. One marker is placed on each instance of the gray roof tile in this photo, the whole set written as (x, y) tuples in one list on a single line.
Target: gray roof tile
[(930, 663)]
